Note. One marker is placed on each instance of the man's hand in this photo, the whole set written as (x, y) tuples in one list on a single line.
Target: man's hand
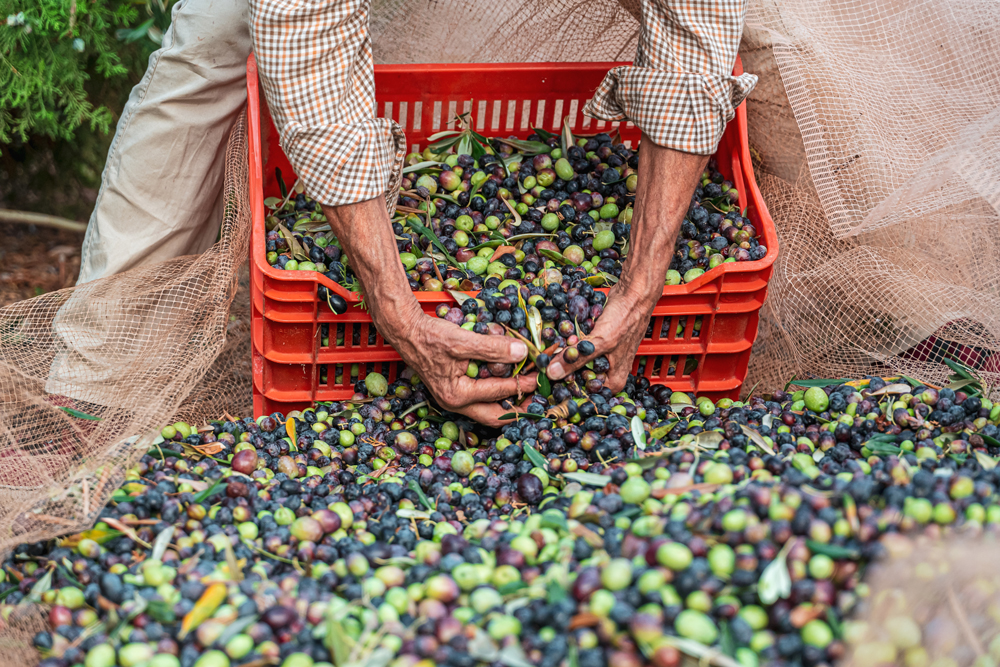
[(667, 179), (437, 350)]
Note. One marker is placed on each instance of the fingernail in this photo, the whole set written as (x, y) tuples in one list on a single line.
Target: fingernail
[(518, 350), (555, 369)]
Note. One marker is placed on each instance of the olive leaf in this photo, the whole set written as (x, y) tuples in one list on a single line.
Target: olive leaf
[(601, 279), (554, 519), (639, 432), (554, 256), (282, 188), (726, 641), (566, 139), (985, 460), (207, 493), (704, 654), (544, 386), (413, 486), (480, 646), (775, 583), (160, 544), (990, 440), (593, 479), (756, 438), (513, 656), (40, 587), (513, 211), (80, 415), (536, 458), (882, 448), (338, 642), (487, 244), (272, 202), (432, 237), (709, 439), (460, 297), (535, 326), (420, 166), (833, 551), (526, 147), (820, 382), (663, 429), (520, 415), (544, 134), (891, 389), (235, 628), (298, 252)]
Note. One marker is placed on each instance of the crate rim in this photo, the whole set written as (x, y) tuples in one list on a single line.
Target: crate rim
[(257, 187)]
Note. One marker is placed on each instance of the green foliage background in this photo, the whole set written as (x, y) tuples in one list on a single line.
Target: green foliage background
[(66, 69)]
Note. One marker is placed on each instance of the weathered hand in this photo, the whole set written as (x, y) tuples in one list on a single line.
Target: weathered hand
[(617, 336), (437, 350), (440, 351)]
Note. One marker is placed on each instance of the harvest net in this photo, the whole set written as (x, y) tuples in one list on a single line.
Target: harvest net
[(875, 127), (931, 602)]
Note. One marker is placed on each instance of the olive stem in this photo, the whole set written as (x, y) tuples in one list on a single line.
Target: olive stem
[(42, 220)]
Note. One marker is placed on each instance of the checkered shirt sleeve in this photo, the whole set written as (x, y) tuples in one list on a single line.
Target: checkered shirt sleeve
[(317, 70), (680, 90)]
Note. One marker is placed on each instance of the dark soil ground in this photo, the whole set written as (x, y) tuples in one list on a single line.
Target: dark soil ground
[(35, 260)]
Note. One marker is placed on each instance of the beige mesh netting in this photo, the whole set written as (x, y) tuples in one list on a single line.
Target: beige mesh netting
[(878, 149), (140, 347), (932, 602), (876, 125)]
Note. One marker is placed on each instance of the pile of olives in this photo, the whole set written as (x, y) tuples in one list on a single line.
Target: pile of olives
[(594, 529)]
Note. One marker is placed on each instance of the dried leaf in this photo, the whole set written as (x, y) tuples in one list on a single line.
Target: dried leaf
[(460, 297), (985, 460), (405, 513), (296, 249), (501, 251), (709, 439), (513, 211), (756, 438), (566, 139)]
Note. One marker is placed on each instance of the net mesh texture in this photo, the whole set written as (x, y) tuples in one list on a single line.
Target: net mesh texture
[(875, 128)]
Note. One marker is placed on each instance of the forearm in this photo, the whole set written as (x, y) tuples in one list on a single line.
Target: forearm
[(365, 234), (667, 179)]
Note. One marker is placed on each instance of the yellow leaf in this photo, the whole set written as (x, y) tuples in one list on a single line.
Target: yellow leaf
[(290, 429)]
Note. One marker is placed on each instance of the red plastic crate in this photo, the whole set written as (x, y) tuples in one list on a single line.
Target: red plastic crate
[(291, 367)]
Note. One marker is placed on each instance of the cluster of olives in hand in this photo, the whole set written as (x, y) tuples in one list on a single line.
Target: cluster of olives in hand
[(550, 318), (519, 210)]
